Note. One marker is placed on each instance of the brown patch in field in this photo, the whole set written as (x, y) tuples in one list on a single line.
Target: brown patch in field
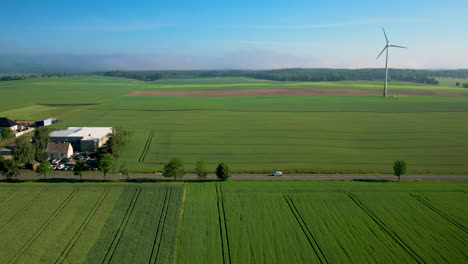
[(291, 92)]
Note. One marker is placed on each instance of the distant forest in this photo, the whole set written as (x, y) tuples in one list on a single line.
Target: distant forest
[(298, 74)]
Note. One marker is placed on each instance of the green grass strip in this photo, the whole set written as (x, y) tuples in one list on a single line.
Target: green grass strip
[(223, 226), (429, 205), (38, 232), (305, 229), (24, 209), (123, 224), (387, 230), (160, 228), (82, 227)]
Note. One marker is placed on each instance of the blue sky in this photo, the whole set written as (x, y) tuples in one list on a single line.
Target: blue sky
[(235, 34)]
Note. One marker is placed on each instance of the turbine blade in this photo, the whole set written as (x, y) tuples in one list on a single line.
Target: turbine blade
[(382, 52), (385, 34), (395, 46)]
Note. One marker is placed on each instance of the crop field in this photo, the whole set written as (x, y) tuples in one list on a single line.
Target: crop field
[(258, 134), (89, 224), (234, 222)]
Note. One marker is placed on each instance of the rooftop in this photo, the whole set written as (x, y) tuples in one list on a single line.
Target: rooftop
[(86, 133), (53, 147), (5, 122)]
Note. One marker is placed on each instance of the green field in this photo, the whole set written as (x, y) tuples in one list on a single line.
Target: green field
[(234, 222), (327, 134)]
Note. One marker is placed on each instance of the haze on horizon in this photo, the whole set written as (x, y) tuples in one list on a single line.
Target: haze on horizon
[(152, 35)]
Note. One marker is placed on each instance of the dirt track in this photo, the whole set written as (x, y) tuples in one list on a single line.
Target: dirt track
[(292, 92)]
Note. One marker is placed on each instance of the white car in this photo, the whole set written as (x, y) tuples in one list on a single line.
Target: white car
[(277, 173)]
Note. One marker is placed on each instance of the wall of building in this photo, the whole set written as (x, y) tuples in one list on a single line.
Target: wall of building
[(74, 141), (89, 145)]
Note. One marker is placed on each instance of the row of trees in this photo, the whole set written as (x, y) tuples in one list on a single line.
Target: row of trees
[(175, 168), (15, 77), (295, 74), (465, 85)]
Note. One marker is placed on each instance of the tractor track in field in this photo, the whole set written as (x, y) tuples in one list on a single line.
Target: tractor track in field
[(122, 226), (305, 229), (38, 232), (426, 202), (226, 251), (160, 229), (387, 230), (7, 195), (147, 146), (80, 230), (180, 225), (24, 209)]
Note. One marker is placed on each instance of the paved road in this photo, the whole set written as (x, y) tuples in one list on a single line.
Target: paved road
[(260, 176)]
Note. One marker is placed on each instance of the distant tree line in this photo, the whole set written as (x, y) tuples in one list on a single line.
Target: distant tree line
[(295, 74), (15, 77)]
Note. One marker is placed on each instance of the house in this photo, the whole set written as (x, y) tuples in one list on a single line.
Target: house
[(7, 123), (83, 139), (59, 150), (45, 122)]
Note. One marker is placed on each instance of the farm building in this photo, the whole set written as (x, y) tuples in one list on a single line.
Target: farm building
[(83, 139), (7, 123), (59, 150), (45, 122)]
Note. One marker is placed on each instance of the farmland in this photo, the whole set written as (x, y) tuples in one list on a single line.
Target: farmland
[(325, 134), (234, 222)]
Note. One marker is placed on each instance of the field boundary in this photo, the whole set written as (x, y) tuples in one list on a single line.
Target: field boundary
[(160, 228), (305, 229), (38, 232), (25, 208), (387, 230), (426, 202), (80, 230), (122, 226), (304, 91), (226, 251), (146, 147)]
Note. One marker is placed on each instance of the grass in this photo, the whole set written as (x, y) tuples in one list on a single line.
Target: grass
[(294, 134), (327, 134), (234, 222)]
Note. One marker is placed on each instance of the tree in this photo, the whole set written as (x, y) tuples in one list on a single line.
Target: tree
[(39, 141), (105, 163), (465, 85), (399, 168), (43, 169), (23, 151), (117, 139), (457, 83), (222, 172), (174, 168), (200, 169), (79, 168), (9, 168), (124, 171), (7, 133)]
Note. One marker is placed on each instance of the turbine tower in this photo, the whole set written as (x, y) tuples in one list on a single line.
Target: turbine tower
[(387, 46)]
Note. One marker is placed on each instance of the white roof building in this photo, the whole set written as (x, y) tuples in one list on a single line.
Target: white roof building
[(83, 139)]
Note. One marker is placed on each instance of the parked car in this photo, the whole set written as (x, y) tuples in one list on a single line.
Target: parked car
[(277, 173)]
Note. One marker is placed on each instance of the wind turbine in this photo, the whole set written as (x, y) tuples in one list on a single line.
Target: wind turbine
[(387, 46)]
